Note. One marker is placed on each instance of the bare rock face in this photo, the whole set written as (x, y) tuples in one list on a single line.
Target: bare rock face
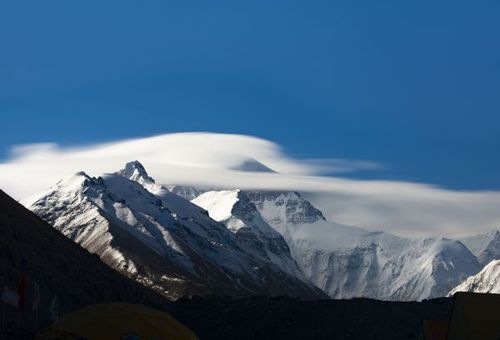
[(283, 207)]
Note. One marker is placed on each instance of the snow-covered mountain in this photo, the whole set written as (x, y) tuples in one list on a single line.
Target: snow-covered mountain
[(234, 209), (283, 208), (159, 238), (185, 192), (244, 242), (347, 261), (249, 164), (486, 247), (486, 281)]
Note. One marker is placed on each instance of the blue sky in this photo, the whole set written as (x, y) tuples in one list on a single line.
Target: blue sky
[(413, 85)]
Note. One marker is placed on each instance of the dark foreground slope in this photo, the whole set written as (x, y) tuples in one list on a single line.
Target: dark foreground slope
[(286, 318), (30, 247)]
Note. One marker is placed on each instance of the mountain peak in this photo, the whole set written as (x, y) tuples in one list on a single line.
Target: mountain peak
[(219, 204), (135, 171), (252, 165), (486, 281), (68, 185), (288, 207), (75, 182)]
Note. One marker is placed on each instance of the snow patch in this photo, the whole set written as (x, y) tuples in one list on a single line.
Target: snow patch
[(219, 204)]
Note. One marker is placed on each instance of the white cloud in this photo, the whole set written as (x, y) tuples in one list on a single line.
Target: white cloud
[(208, 159), (338, 165)]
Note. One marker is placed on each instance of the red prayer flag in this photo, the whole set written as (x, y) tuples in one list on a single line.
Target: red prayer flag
[(21, 292)]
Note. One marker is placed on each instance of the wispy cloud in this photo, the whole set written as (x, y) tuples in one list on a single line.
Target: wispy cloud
[(341, 166), (211, 159)]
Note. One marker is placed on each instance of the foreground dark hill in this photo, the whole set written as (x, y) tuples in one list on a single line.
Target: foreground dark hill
[(31, 247), (287, 318)]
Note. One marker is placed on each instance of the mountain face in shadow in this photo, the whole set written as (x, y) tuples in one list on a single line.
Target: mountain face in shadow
[(69, 277)]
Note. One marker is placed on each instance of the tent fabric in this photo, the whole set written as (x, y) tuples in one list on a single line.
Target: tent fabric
[(117, 321), (475, 316), (435, 329)]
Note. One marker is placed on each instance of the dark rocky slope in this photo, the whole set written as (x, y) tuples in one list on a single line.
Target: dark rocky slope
[(31, 247)]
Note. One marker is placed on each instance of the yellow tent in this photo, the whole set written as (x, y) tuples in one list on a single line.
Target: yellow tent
[(117, 321)]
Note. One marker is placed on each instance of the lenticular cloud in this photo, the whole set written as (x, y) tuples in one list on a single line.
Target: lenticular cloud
[(237, 161)]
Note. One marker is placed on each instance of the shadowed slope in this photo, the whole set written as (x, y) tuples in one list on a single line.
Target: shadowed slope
[(31, 247)]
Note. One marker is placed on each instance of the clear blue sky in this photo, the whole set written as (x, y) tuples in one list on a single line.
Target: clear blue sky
[(412, 84)]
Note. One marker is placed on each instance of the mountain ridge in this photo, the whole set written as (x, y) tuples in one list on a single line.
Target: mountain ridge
[(485, 246), (486, 281), (158, 238), (240, 241), (347, 261)]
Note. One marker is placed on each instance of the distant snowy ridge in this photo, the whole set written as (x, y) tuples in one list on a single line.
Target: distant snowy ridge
[(486, 281), (350, 262), (486, 247)]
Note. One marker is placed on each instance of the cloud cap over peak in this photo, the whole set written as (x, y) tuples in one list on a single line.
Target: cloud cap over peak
[(238, 161)]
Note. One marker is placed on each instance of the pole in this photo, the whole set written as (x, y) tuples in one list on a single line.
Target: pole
[(3, 320), (18, 324), (36, 318)]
